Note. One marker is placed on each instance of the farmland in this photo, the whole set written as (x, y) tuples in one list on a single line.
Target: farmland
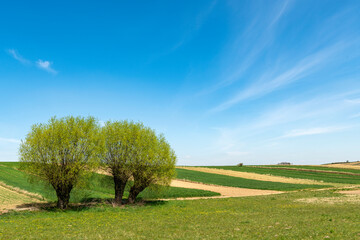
[(239, 182), (325, 174), (297, 211)]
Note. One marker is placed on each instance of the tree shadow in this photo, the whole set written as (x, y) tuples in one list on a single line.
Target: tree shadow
[(85, 204)]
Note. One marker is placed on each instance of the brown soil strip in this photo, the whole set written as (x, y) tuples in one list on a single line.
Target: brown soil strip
[(224, 191), (254, 176)]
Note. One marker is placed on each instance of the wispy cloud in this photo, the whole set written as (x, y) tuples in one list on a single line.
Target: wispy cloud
[(18, 57), (45, 65), (9, 140), (312, 131), (252, 52), (280, 12), (199, 21), (41, 64), (267, 84)]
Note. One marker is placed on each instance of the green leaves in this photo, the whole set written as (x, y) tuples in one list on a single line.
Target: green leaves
[(135, 150), (61, 150)]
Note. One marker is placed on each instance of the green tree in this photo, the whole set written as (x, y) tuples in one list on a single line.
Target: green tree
[(135, 150), (153, 163), (61, 152), (120, 143)]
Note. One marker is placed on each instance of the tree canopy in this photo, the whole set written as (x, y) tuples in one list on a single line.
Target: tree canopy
[(61, 151), (133, 150)]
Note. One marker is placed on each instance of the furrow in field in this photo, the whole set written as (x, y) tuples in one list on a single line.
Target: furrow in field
[(254, 176)]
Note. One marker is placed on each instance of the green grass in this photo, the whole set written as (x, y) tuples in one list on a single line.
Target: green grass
[(98, 186), (319, 176), (261, 217), (229, 181)]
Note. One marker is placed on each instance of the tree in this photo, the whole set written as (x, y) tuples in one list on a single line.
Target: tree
[(153, 163), (135, 150), (120, 143), (61, 152)]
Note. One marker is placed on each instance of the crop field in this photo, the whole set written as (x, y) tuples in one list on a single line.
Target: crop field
[(300, 211), (229, 181), (307, 172)]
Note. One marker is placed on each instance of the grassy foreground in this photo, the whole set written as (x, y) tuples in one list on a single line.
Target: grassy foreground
[(230, 181), (262, 217)]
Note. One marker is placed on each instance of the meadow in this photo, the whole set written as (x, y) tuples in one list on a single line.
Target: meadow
[(263, 217)]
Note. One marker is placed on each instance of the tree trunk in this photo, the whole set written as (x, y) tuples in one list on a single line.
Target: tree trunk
[(63, 195), (134, 192), (119, 189)]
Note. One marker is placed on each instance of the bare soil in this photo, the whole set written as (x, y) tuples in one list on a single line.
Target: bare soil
[(224, 191)]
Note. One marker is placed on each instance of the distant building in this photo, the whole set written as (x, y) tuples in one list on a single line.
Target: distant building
[(284, 163)]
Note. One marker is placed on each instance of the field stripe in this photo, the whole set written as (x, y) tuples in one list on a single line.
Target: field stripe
[(253, 176), (224, 191)]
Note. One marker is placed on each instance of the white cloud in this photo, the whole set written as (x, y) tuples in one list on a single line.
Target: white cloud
[(45, 65), (312, 131), (267, 84), (18, 57), (9, 140)]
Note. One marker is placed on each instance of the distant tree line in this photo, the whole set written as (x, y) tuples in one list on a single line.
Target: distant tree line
[(65, 150)]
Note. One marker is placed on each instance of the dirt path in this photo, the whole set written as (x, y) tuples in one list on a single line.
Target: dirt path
[(224, 191), (254, 176)]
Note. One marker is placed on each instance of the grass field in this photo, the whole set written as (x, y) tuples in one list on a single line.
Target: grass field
[(229, 181), (303, 174), (261, 217), (98, 186)]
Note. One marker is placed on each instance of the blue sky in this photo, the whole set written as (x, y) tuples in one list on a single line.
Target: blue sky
[(257, 82)]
